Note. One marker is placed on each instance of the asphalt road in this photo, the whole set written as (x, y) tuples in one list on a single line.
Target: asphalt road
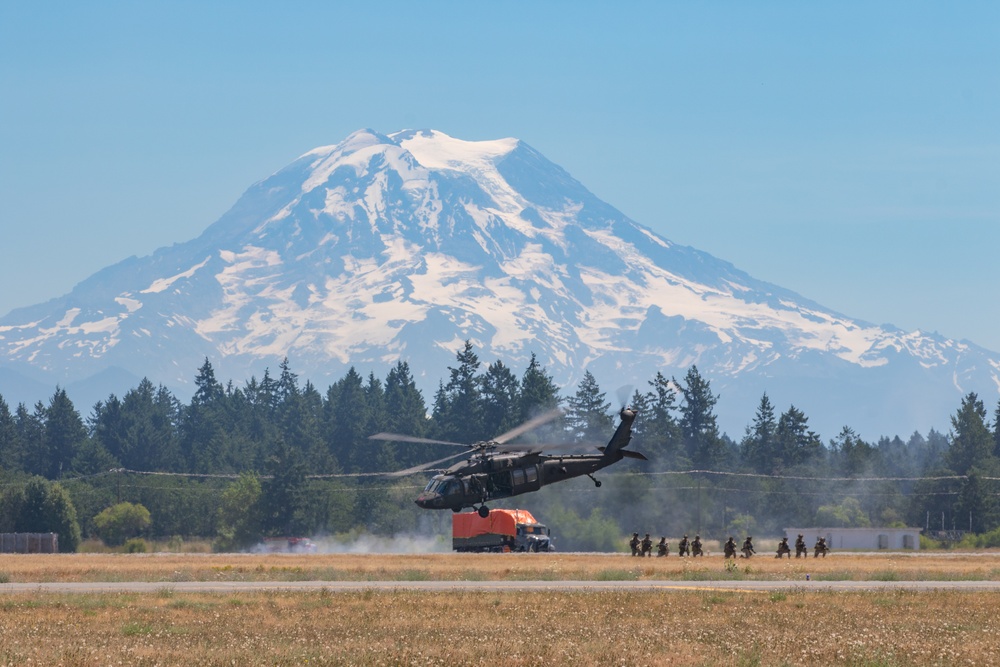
[(490, 586)]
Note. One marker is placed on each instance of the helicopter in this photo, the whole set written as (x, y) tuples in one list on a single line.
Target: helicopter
[(496, 469)]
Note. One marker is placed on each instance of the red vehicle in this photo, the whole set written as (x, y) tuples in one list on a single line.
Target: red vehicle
[(501, 530)]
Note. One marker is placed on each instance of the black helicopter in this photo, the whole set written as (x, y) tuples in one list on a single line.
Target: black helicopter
[(500, 470)]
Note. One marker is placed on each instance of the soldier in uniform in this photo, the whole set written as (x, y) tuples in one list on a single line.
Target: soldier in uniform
[(820, 548), (729, 549), (696, 546), (682, 548), (783, 548), (647, 546), (662, 548), (748, 547), (634, 544), (800, 547)]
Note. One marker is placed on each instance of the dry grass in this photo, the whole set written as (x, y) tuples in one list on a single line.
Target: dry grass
[(543, 628), (488, 567)]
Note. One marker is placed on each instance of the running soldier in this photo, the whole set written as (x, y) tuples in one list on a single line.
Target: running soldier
[(783, 548), (748, 547), (820, 548), (662, 548), (634, 544), (800, 547), (647, 546), (729, 549), (682, 548), (696, 546)]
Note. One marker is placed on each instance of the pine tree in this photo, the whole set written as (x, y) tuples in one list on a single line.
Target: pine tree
[(758, 445), (208, 391), (458, 416), (796, 444), (539, 392), (996, 431), (656, 430), (381, 454), (698, 423), (852, 455), (30, 427), (588, 413), (349, 431), (283, 496), (64, 432), (405, 410), (205, 426), (10, 448), (971, 442), (500, 395)]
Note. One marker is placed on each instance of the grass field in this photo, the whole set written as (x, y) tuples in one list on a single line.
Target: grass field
[(369, 627), (490, 567), (550, 628)]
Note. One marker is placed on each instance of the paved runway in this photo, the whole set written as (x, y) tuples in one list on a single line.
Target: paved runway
[(489, 586)]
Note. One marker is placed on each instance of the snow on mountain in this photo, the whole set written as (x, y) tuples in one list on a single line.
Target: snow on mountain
[(402, 246)]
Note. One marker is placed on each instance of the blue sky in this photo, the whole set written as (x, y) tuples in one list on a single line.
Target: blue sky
[(848, 151)]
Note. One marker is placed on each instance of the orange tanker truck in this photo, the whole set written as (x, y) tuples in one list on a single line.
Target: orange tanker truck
[(502, 530)]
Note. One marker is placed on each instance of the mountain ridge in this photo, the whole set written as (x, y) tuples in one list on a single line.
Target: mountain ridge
[(403, 245)]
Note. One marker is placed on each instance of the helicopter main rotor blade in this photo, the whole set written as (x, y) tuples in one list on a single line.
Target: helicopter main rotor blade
[(532, 423), (624, 395), (546, 448), (423, 466), (399, 437)]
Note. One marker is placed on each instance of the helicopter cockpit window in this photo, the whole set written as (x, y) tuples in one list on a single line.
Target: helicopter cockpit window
[(435, 486), (452, 486)]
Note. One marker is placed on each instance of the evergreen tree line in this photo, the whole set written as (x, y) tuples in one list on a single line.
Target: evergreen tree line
[(292, 460)]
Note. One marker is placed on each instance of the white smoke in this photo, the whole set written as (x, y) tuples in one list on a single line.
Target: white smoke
[(366, 543)]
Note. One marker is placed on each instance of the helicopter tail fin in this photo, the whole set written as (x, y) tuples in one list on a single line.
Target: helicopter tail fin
[(616, 446)]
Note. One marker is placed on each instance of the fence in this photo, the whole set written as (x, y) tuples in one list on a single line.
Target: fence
[(29, 543)]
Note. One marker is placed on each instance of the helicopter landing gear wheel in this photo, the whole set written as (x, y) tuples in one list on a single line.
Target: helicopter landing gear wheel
[(484, 511), (597, 482)]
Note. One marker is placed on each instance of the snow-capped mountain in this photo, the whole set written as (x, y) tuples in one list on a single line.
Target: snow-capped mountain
[(402, 246)]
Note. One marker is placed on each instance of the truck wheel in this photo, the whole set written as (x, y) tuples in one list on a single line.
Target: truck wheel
[(484, 511)]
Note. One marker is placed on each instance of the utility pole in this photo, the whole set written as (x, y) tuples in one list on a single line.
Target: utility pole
[(699, 506)]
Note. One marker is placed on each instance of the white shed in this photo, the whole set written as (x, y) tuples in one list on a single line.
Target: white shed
[(862, 539)]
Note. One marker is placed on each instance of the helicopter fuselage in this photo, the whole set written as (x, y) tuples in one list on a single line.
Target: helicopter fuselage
[(492, 476)]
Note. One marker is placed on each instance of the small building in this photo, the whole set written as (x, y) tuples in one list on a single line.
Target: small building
[(29, 543), (859, 539)]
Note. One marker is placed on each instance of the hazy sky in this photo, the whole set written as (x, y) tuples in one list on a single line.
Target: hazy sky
[(847, 151)]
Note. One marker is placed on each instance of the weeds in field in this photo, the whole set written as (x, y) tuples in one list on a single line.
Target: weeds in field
[(617, 575), (135, 629), (539, 628), (168, 568)]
